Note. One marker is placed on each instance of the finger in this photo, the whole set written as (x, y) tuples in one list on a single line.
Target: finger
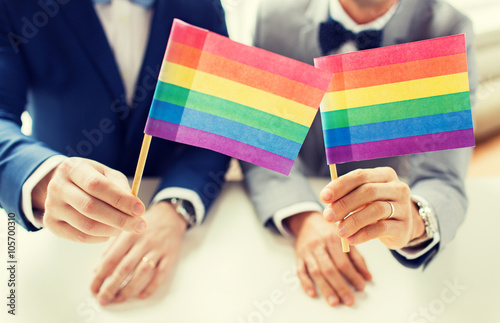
[(118, 178), (305, 280), (361, 196), (359, 263), (348, 182), (119, 277), (91, 180), (374, 231), (160, 274), (345, 266), (331, 274), (373, 212), (108, 264), (324, 287), (99, 211), (142, 275), (66, 231), (87, 225)]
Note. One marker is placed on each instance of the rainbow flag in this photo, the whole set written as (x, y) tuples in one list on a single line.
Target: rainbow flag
[(397, 100), (238, 100)]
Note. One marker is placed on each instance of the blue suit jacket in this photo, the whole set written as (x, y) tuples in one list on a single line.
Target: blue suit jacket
[(56, 62)]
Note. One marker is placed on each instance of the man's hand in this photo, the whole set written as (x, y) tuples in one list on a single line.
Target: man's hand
[(136, 264), (367, 193), (320, 260), (86, 201)]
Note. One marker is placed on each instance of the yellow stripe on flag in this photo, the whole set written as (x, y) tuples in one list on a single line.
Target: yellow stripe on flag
[(395, 92), (236, 92)]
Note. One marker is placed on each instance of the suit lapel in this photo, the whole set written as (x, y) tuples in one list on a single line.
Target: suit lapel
[(398, 28), (148, 75), (309, 46), (84, 23), (153, 57)]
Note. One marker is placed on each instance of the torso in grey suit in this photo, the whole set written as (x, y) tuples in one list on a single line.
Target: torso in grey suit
[(290, 28)]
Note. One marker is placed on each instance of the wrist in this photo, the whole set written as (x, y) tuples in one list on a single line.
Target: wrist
[(39, 193), (296, 222), (418, 222), (166, 209)]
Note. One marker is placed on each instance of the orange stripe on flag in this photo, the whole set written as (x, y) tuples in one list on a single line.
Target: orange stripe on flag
[(226, 68), (395, 73)]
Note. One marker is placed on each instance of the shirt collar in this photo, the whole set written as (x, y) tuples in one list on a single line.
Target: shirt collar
[(338, 13)]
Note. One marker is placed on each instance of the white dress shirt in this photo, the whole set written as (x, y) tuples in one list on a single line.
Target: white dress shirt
[(127, 26), (338, 13)]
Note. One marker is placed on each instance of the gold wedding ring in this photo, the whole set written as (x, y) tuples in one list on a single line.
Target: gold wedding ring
[(392, 210), (149, 261)]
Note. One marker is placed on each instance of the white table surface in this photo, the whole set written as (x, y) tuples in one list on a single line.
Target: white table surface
[(231, 270)]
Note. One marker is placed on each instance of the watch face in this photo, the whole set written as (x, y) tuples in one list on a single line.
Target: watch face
[(188, 206)]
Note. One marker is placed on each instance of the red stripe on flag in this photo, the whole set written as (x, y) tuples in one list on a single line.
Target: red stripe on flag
[(396, 54)]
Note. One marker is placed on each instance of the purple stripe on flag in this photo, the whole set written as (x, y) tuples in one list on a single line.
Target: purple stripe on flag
[(230, 147), (401, 146)]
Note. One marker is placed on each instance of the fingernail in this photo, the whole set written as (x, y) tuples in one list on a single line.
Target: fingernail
[(144, 295), (120, 299), (137, 209), (341, 230), (141, 226), (310, 292), (350, 239), (328, 214), (326, 195), (103, 300), (332, 300), (348, 300)]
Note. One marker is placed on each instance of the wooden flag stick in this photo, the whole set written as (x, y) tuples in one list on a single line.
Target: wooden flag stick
[(333, 174), (140, 164)]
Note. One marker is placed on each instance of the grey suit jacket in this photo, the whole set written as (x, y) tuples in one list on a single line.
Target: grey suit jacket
[(290, 28)]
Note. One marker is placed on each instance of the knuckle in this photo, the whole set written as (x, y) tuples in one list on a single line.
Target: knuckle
[(145, 269), (122, 222), (404, 189), (328, 271), (119, 201), (88, 205), (360, 174), (342, 204), (93, 183), (125, 270), (82, 237), (314, 272), (343, 266), (66, 166), (389, 171), (353, 223), (369, 190), (110, 263), (89, 226)]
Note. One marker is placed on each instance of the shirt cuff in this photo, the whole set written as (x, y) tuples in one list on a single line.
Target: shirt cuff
[(291, 210), (185, 194), (26, 204), (416, 252)]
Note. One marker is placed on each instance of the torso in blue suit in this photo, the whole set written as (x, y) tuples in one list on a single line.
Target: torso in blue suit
[(56, 62)]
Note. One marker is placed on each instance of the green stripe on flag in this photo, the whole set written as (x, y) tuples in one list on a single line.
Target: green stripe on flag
[(396, 110), (229, 110)]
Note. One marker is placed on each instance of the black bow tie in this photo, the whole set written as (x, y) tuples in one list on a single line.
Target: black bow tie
[(332, 35)]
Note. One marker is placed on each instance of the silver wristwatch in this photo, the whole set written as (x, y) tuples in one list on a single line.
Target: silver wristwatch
[(430, 221), (185, 209)]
